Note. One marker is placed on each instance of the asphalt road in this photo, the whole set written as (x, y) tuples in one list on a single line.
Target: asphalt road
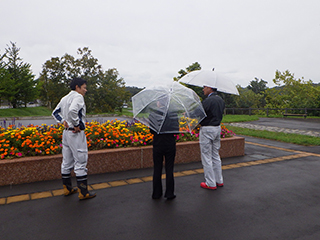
[(307, 124)]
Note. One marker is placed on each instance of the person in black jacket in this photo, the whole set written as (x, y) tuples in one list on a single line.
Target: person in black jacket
[(209, 139), (164, 147)]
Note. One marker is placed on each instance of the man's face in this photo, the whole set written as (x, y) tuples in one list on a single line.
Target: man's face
[(206, 90), (82, 90)]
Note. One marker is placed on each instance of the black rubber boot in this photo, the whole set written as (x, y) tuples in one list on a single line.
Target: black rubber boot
[(83, 188), (67, 185)]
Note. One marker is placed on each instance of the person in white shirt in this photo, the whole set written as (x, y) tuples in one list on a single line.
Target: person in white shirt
[(71, 111)]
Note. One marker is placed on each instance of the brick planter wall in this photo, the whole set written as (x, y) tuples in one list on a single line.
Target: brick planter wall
[(34, 169)]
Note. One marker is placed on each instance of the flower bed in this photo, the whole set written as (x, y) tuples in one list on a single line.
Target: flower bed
[(33, 153), (41, 168), (47, 140)]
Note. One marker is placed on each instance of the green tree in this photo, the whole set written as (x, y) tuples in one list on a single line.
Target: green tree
[(5, 77), (53, 82), (192, 67), (291, 92), (28, 91), (88, 67), (133, 90), (230, 99), (259, 87), (105, 89), (247, 98), (20, 87), (110, 93)]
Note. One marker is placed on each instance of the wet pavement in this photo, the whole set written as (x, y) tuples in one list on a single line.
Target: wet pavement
[(306, 124), (310, 126), (271, 193)]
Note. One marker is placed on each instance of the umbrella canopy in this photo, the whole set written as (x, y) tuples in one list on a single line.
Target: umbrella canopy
[(171, 109), (210, 79)]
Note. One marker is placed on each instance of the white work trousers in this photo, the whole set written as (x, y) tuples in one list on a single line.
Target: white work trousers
[(209, 140), (75, 153)]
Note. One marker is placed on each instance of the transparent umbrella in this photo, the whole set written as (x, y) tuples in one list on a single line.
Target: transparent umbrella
[(168, 109), (210, 79)]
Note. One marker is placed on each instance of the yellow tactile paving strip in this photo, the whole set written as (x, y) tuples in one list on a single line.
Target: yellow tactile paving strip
[(98, 186)]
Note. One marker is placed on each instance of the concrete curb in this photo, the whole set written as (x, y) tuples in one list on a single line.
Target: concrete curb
[(42, 168)]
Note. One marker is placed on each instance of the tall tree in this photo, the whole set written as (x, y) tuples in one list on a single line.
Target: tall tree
[(133, 90), (111, 92), (53, 82), (259, 87), (5, 77), (192, 67), (88, 67), (105, 89), (20, 88), (247, 98), (291, 92)]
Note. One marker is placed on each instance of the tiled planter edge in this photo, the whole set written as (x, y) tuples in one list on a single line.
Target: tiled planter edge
[(34, 169)]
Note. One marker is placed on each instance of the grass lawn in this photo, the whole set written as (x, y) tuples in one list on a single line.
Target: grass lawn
[(239, 118), (278, 136), (25, 112), (44, 111)]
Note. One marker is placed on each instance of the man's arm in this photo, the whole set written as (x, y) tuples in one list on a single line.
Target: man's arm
[(76, 106), (56, 114)]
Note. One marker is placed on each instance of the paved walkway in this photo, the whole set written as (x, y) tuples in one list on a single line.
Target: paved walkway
[(297, 126), (271, 193), (275, 129)]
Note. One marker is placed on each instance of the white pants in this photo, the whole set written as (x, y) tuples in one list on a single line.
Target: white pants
[(209, 139), (75, 153)]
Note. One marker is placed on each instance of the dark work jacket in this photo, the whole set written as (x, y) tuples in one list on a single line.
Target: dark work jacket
[(214, 107)]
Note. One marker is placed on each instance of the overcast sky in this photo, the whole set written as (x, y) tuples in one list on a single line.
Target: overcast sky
[(148, 42)]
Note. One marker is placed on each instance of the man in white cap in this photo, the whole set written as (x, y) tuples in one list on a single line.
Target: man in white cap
[(209, 139)]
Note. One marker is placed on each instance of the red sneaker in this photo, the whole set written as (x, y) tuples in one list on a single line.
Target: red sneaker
[(204, 185), (220, 184)]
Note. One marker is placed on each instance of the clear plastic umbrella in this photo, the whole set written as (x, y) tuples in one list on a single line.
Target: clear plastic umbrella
[(210, 79), (171, 109)]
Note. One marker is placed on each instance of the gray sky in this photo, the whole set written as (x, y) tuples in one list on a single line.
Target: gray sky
[(148, 42)]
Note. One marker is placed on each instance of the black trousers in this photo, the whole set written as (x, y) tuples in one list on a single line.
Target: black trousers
[(162, 152)]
